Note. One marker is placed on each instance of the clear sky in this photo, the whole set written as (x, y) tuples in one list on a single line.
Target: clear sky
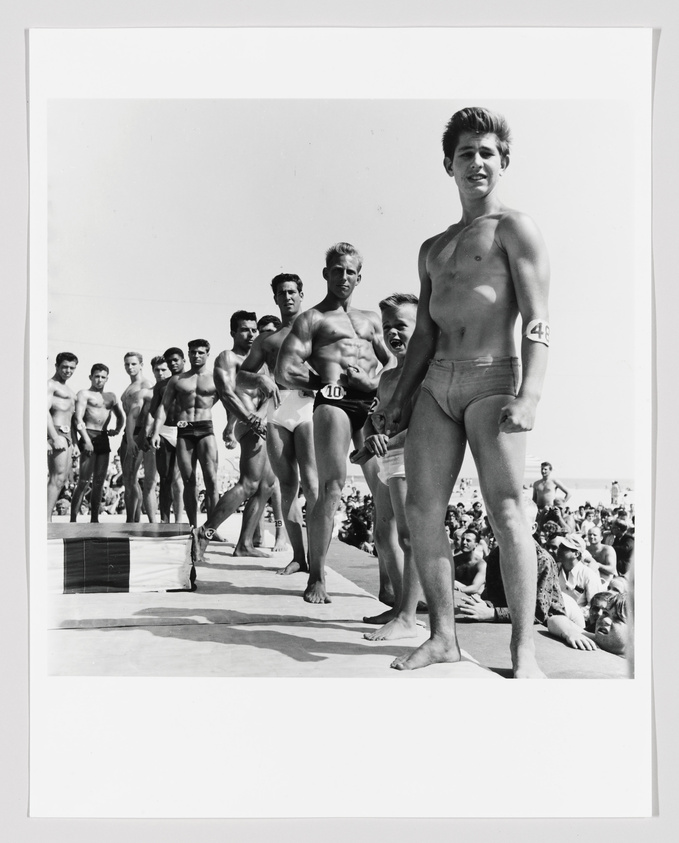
[(165, 216)]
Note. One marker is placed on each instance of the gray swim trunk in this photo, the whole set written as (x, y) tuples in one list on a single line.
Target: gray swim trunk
[(456, 384)]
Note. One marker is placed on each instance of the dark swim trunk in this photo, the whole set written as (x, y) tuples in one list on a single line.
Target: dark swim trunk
[(100, 441), (194, 430), (456, 384), (355, 404)]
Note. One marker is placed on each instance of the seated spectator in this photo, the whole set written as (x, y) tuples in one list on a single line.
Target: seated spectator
[(621, 540), (619, 585), (613, 632), (602, 555), (469, 566), (576, 579), (597, 607)]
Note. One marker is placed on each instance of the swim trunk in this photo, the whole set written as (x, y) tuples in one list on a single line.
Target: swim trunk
[(357, 405), (101, 443), (391, 465), (457, 384), (194, 430), (296, 408), (169, 434), (65, 431)]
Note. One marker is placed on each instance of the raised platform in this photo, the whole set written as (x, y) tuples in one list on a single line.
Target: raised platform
[(86, 530)]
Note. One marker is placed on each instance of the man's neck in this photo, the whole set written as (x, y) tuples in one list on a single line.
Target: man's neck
[(473, 209)]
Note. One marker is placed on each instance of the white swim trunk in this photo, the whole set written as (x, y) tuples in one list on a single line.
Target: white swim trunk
[(391, 465), (169, 433), (296, 408)]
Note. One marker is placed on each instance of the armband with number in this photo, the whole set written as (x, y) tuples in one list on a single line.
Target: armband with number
[(537, 330)]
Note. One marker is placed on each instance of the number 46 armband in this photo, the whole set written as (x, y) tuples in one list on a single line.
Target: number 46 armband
[(537, 331)]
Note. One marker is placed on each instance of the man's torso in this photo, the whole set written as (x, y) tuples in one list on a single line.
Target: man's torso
[(342, 339), (196, 395)]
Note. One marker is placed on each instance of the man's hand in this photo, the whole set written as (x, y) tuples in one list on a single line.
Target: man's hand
[(472, 607), (360, 457), (256, 425), (356, 378), (88, 447), (386, 419), (269, 388), (59, 443), (377, 444), (580, 641), (155, 441), (517, 415)]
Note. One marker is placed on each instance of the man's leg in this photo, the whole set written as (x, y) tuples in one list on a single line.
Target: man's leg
[(206, 449), (332, 436), (500, 459), (130, 466), (177, 491), (58, 464), (98, 480), (84, 475), (149, 485), (281, 542), (252, 514), (403, 623), (252, 454), (165, 466), (186, 460), (433, 456), (389, 553), (280, 445)]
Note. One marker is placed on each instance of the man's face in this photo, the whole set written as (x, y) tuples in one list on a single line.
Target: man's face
[(398, 324), (476, 164), (267, 328), (342, 275), (288, 298), (175, 364), (161, 371), (567, 557), (132, 366), (98, 379), (596, 609), (467, 542), (65, 369), (611, 634), (198, 356), (244, 335), (545, 470), (594, 535)]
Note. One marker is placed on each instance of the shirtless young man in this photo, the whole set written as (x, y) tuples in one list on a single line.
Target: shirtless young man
[(195, 394), (170, 485), (544, 490), (60, 427), (289, 440), (93, 408), (131, 453), (246, 425), (602, 554), (476, 277), (344, 346)]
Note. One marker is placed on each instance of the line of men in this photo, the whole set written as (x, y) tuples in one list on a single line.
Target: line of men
[(460, 382)]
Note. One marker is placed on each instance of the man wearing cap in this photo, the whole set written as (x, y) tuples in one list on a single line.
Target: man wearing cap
[(576, 579)]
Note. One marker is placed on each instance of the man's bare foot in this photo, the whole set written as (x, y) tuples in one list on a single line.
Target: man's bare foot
[(281, 545), (200, 538), (525, 664), (315, 593), (383, 617), (243, 550), (433, 651), (293, 567), (396, 628)]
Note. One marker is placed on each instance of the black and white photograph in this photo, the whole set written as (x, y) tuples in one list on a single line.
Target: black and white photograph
[(348, 381)]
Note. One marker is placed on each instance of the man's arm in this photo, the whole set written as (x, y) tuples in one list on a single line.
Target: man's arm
[(529, 266), (53, 435), (565, 630), (477, 583), (254, 372), (567, 494), (119, 413), (225, 372), (292, 370), (163, 410), (79, 414)]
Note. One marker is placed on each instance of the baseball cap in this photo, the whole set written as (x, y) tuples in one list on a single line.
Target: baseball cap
[(573, 541)]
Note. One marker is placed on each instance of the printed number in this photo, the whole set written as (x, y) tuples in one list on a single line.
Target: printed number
[(333, 391), (541, 331)]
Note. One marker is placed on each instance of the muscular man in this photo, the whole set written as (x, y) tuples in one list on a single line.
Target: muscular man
[(245, 410), (344, 347), (469, 566), (289, 439), (60, 427), (170, 487), (93, 408), (476, 277), (544, 490), (131, 453), (195, 394)]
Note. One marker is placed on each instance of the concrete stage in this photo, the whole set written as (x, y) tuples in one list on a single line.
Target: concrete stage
[(244, 620)]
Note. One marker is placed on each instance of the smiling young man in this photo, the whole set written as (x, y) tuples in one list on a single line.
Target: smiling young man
[(60, 426), (336, 349), (477, 277)]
